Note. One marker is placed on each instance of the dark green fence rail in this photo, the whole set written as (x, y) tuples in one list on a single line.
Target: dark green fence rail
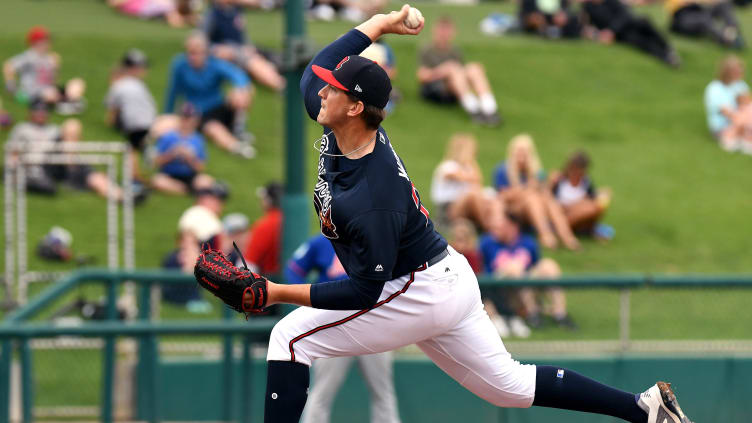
[(17, 330)]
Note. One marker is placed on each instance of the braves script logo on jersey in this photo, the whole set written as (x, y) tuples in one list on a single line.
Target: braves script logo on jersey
[(341, 62), (403, 173), (322, 196)]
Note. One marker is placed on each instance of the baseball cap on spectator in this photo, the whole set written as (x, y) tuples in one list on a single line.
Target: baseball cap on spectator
[(188, 110), (201, 223), (217, 189), (272, 192), (38, 104), (362, 78), (134, 58), (235, 222), (36, 34)]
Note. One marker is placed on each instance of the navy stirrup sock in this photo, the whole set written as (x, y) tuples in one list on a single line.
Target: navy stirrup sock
[(568, 390), (286, 391)]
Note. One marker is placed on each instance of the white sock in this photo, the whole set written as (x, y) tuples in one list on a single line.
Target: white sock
[(488, 104), (470, 103), (238, 124)]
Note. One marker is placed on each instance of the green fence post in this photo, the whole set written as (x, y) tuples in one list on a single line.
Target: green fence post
[(226, 414), (153, 349), (146, 402), (7, 352), (27, 387), (247, 381), (108, 374), (295, 203)]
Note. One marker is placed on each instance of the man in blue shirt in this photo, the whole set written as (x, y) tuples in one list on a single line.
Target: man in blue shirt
[(199, 77), (317, 255), (181, 156), (224, 25), (508, 253)]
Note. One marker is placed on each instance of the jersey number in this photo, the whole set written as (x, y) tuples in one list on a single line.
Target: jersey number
[(418, 205)]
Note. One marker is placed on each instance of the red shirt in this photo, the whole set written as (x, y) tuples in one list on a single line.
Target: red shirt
[(264, 244)]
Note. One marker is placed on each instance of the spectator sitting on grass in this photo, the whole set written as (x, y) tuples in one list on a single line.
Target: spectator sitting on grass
[(508, 253), (446, 79), (43, 179), (33, 75), (721, 103), (262, 252), (350, 10), (130, 106), (743, 118), (224, 25), (202, 218), (457, 185), (381, 52), (463, 238), (183, 258), (549, 18), (609, 20), (583, 205), (235, 226), (177, 13), (712, 19), (198, 77), (519, 181), (181, 157)]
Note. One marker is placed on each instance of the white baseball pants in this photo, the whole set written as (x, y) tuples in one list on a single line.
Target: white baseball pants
[(330, 373), (439, 309)]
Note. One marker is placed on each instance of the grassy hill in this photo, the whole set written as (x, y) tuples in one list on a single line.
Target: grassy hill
[(681, 204)]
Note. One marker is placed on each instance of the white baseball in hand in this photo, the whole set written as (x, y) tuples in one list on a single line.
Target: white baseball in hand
[(414, 18)]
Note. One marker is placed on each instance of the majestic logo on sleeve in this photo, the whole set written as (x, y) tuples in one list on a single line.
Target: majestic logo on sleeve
[(322, 196)]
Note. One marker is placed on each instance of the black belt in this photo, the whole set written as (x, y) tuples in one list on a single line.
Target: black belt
[(437, 258)]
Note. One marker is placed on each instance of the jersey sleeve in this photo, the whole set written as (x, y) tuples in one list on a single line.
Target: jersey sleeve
[(174, 86), (165, 142), (376, 241), (354, 42), (486, 253), (302, 261)]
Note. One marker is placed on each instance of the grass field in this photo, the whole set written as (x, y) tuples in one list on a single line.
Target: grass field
[(681, 205)]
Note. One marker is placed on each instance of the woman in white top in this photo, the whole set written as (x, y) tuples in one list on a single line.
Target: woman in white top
[(721, 103), (576, 193), (457, 185)]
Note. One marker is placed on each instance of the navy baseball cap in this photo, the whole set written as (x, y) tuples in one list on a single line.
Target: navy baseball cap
[(363, 78)]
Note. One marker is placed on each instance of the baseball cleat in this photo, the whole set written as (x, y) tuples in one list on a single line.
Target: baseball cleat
[(661, 405)]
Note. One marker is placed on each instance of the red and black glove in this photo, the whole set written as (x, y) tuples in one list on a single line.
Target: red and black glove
[(229, 283)]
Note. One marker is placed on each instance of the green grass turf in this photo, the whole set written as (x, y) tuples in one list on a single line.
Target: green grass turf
[(681, 204)]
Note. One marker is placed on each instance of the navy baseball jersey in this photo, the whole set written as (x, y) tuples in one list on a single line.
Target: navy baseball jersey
[(372, 213), (368, 208)]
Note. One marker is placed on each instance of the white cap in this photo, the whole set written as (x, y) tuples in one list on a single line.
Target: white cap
[(201, 222), (235, 222)]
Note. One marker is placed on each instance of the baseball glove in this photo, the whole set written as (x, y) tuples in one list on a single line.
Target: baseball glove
[(229, 283)]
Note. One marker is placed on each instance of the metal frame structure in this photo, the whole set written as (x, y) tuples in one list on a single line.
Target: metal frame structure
[(18, 156)]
